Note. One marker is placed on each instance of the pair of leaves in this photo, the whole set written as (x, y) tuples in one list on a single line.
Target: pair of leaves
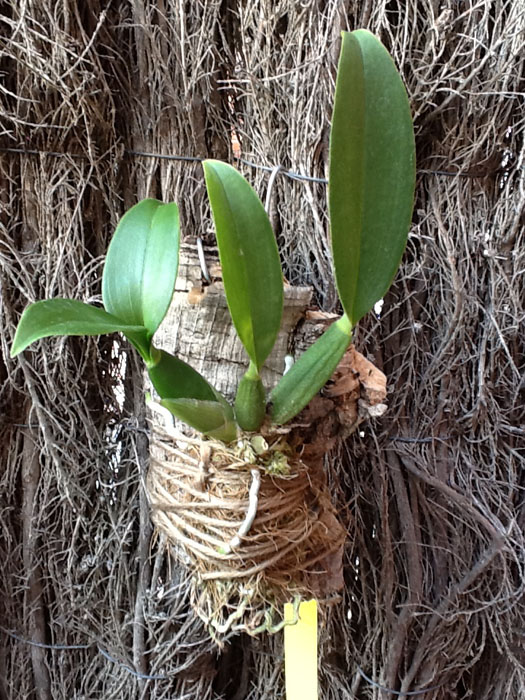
[(137, 285), (371, 194)]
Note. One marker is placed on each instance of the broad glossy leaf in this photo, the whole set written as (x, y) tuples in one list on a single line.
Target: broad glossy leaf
[(372, 172), (68, 317), (141, 264), (310, 373), (174, 379), (249, 257), (208, 417)]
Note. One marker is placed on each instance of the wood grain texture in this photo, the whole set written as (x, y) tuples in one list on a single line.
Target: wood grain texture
[(198, 327)]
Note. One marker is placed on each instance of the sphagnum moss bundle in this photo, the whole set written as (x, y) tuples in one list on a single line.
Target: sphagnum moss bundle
[(245, 499)]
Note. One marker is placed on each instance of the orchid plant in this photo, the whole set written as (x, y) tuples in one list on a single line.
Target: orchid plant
[(371, 191)]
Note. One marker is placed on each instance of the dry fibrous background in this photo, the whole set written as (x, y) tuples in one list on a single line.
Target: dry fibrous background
[(431, 494)]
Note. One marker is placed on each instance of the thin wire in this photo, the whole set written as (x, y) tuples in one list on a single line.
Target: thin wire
[(31, 152), (127, 668), (41, 645), (67, 647), (165, 156), (401, 438), (288, 173), (194, 159), (398, 693)]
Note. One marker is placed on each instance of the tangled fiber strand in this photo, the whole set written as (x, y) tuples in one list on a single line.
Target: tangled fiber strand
[(434, 571), (75, 524), (433, 493)]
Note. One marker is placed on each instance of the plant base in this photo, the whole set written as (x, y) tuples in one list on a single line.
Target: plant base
[(254, 522)]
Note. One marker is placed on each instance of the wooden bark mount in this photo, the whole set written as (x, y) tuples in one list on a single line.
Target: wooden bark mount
[(198, 327), (254, 521)]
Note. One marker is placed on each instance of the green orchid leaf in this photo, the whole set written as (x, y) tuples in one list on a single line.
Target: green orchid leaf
[(372, 172), (310, 373), (141, 264), (69, 317), (190, 397), (249, 258), (250, 401), (174, 379), (208, 417)]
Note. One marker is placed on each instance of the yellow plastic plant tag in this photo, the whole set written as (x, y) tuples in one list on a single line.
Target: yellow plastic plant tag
[(300, 651)]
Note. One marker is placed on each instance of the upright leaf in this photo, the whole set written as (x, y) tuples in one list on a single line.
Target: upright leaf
[(249, 259), (372, 172), (68, 317), (141, 264)]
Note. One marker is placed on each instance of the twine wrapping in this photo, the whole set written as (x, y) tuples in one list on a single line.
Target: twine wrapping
[(253, 522)]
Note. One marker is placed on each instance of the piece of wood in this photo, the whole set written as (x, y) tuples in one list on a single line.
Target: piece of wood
[(198, 327)]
